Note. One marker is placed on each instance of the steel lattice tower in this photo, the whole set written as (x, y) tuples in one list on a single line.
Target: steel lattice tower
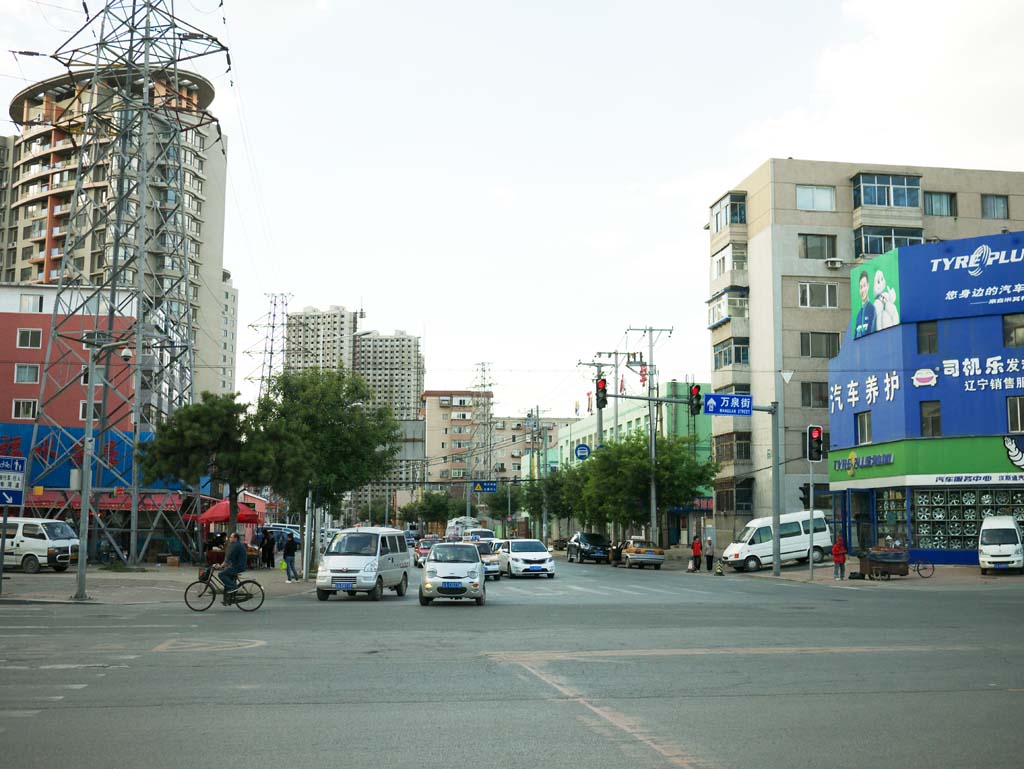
[(127, 276)]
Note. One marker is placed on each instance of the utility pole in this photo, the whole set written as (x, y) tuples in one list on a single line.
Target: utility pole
[(652, 422), (614, 355)]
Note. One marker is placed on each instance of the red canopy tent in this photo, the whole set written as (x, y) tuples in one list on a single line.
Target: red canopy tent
[(221, 510)]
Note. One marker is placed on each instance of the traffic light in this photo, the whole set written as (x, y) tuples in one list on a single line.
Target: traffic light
[(602, 393), (696, 401), (815, 438)]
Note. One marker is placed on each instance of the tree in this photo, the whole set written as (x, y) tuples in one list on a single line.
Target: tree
[(344, 440), (215, 437)]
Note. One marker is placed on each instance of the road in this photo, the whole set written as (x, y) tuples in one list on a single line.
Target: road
[(599, 667)]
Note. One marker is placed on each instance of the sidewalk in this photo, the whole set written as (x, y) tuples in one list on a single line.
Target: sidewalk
[(157, 584)]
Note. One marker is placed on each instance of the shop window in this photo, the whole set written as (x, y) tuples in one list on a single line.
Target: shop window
[(931, 419), (950, 518), (928, 337), (1013, 330), (891, 516), (863, 428)]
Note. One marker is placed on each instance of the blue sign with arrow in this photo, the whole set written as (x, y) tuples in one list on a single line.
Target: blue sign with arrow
[(12, 480), (728, 405)]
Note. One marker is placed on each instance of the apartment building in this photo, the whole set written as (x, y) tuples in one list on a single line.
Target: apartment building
[(451, 419), (228, 332), (392, 365), (782, 246), (43, 163), (321, 339)]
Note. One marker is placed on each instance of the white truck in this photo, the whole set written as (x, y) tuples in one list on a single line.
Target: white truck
[(457, 527)]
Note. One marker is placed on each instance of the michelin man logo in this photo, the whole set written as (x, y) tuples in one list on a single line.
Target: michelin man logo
[(1014, 450), (886, 314)]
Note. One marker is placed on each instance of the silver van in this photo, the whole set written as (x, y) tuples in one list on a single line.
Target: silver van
[(32, 543), (364, 560)]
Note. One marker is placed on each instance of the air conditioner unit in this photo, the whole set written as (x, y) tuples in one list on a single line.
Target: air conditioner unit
[(833, 264)]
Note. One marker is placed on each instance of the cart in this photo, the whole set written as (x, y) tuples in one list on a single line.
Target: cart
[(885, 562)]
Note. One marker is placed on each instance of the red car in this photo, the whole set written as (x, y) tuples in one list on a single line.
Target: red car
[(422, 549)]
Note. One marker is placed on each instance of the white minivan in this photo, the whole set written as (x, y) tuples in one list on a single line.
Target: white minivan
[(753, 547), (999, 544), (32, 543), (364, 560)]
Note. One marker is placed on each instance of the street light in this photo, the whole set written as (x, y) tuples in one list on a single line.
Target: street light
[(95, 346)]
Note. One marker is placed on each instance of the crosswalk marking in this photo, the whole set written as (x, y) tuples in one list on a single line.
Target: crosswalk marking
[(623, 590), (19, 713), (586, 590)]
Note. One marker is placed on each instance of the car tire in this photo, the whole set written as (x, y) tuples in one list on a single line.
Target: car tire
[(482, 599), (984, 572), (378, 590), (403, 586), (322, 595), (424, 601), (30, 564), (60, 567), (351, 592), (657, 567), (751, 564), (497, 577), (818, 555), (510, 574), (607, 561), (551, 576)]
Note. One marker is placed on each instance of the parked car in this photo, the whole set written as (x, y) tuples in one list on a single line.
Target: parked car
[(753, 547), (519, 557), (36, 542), (364, 560), (641, 553), (588, 546), (453, 570)]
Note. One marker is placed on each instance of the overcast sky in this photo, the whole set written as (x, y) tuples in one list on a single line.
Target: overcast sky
[(519, 182)]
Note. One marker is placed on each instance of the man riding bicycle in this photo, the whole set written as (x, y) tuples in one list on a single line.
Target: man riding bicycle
[(234, 564)]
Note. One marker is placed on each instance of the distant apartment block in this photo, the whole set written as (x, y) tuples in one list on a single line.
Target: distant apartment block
[(392, 365)]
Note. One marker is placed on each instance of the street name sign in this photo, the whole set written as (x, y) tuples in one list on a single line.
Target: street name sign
[(728, 405)]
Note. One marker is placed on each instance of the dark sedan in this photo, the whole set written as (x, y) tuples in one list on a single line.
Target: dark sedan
[(588, 546)]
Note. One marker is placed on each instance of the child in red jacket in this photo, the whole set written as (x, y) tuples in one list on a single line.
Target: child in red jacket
[(839, 559)]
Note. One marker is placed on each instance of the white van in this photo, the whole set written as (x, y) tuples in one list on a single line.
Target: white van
[(364, 560), (753, 547), (32, 543), (999, 544)]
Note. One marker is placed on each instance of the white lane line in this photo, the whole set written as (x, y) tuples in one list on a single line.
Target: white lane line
[(78, 667), (517, 590), (55, 698), (623, 590), (653, 589), (587, 590), (36, 685), (87, 627), (19, 713)]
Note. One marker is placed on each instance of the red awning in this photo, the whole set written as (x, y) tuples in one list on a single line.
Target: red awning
[(151, 502), (220, 512)]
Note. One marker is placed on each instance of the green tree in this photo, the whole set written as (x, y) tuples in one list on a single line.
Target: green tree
[(344, 440), (215, 437)]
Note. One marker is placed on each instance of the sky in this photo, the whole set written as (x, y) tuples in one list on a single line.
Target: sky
[(520, 183)]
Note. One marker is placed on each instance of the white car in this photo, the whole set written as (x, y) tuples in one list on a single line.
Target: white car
[(364, 560), (519, 557), (453, 570)]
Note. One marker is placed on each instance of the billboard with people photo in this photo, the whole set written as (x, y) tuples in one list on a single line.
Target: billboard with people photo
[(875, 295)]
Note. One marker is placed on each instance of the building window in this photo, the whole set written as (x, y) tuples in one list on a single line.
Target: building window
[(23, 408), (819, 344), (1013, 330), (928, 337), (83, 408), (26, 373), (732, 447), (814, 198), (732, 257), (31, 303), (863, 428), (735, 350), (940, 204), (734, 389), (889, 190), (732, 209), (1015, 411), (817, 246), (726, 307), (819, 295), (931, 419), (30, 338), (814, 395), (995, 207), (878, 240)]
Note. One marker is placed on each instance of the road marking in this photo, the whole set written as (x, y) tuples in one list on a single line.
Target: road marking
[(587, 590), (186, 645), (19, 713), (653, 589), (623, 590), (78, 667), (518, 590), (88, 627), (55, 698)]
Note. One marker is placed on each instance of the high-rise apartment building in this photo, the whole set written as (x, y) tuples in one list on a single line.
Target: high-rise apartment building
[(782, 244), (323, 339), (392, 365), (43, 164), (228, 330)]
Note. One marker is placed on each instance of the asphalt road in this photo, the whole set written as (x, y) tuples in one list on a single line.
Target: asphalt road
[(599, 667)]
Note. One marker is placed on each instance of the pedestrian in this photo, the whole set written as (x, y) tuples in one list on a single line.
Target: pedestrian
[(289, 559), (839, 559), (709, 553), (696, 552), (268, 548)]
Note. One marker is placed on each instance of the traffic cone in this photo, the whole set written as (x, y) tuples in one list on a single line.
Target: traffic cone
[(719, 571)]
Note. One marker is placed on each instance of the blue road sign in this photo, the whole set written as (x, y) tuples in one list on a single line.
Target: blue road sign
[(728, 405), (485, 487), (12, 480), (582, 451)]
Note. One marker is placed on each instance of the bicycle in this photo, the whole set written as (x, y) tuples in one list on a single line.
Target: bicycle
[(200, 595), (923, 567)]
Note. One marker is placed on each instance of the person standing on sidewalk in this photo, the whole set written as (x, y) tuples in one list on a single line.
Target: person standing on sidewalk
[(709, 553), (268, 548), (696, 552), (839, 559), (290, 546)]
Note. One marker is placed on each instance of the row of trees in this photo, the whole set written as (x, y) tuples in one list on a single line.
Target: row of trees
[(313, 432), (611, 488)]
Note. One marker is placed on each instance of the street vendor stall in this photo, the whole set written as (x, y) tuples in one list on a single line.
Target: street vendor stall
[(220, 513), (885, 562)]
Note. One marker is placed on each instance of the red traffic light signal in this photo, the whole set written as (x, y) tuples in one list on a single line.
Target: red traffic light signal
[(815, 443), (696, 401), (602, 393)]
